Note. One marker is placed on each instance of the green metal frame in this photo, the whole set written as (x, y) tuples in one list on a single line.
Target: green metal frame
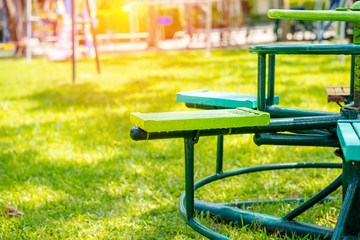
[(308, 127), (266, 99), (228, 211), (313, 137)]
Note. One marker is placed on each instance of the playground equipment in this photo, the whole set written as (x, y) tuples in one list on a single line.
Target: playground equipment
[(67, 33), (207, 5), (64, 35), (41, 26), (319, 30), (268, 122), (88, 20), (323, 26), (6, 49)]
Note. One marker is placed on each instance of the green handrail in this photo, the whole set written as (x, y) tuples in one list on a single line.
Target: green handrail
[(325, 15), (341, 14)]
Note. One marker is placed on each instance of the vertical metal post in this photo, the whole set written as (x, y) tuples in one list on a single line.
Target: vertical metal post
[(73, 39), (357, 68), (349, 218), (261, 105), (352, 76), (220, 154), (94, 36), (189, 177), (28, 30), (345, 210), (271, 80), (357, 81)]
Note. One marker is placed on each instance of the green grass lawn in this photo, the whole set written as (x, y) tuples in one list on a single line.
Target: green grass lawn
[(68, 163)]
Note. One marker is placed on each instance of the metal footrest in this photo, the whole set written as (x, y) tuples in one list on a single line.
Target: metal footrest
[(229, 212)]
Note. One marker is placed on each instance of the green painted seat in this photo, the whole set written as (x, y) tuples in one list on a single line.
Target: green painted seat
[(199, 120), (206, 98), (348, 132)]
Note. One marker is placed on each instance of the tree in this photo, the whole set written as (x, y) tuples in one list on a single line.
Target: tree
[(15, 13), (152, 27)]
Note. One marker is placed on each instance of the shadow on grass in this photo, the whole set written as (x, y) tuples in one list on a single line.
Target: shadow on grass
[(86, 95), (111, 190), (100, 188), (171, 59), (114, 176)]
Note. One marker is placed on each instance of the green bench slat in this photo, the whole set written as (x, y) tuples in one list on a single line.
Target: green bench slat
[(199, 120), (348, 132), (220, 99)]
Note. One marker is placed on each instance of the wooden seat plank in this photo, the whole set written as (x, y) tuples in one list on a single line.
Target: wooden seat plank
[(338, 93)]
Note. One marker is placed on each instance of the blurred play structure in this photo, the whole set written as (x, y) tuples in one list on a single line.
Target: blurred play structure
[(7, 49), (323, 26), (45, 28), (61, 22), (49, 28), (320, 30), (87, 22)]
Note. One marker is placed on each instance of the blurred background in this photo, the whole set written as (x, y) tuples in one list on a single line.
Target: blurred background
[(44, 27)]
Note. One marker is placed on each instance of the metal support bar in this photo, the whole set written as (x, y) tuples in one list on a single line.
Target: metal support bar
[(249, 218), (220, 154), (296, 139), (315, 199), (350, 218), (282, 112), (352, 76), (261, 104), (357, 80), (263, 202), (189, 177), (316, 131), (345, 209), (261, 168), (356, 40), (271, 80)]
